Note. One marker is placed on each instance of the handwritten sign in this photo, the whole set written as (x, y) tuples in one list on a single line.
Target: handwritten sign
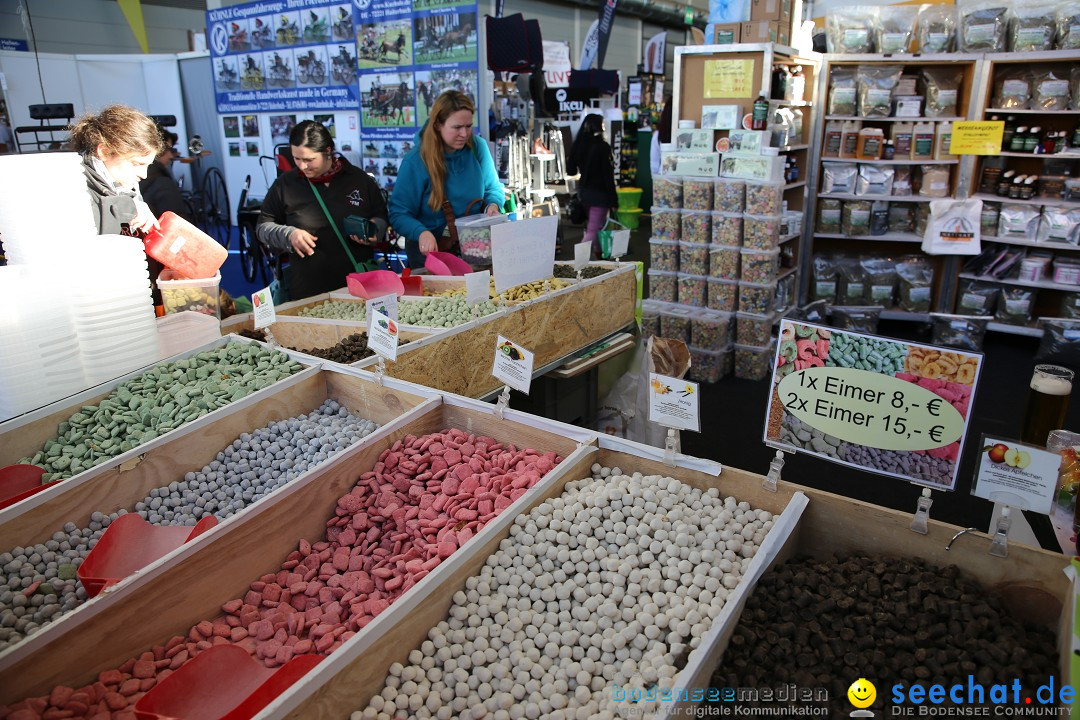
[(1017, 474), (383, 335), (523, 251), (887, 406), (384, 304), (513, 365), (729, 78), (673, 403), (977, 138), (477, 287), (263, 304)]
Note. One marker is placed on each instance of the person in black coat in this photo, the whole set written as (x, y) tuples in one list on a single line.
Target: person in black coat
[(159, 188), (292, 219), (591, 155)]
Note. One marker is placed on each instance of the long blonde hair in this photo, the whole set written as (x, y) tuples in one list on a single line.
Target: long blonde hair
[(432, 149)]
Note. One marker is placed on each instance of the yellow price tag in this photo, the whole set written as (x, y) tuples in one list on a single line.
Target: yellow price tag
[(977, 138)]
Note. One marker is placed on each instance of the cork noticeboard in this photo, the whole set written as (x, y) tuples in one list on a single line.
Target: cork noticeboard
[(692, 90)]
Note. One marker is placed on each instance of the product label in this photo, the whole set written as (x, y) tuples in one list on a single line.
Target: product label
[(1054, 88), (881, 292), (958, 324), (1031, 39), (855, 36), (946, 99), (262, 303), (177, 244), (1017, 307), (893, 42), (1016, 474), (939, 186), (383, 335), (877, 97), (1071, 334), (673, 402), (860, 217), (851, 141), (843, 96), (903, 144), (871, 147), (385, 304), (854, 289), (513, 365), (935, 42), (477, 287), (924, 145), (1072, 40), (973, 301), (919, 294), (832, 144), (826, 288), (831, 217), (979, 34), (1014, 87)]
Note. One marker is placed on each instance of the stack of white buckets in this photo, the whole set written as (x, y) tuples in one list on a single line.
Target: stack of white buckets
[(75, 307)]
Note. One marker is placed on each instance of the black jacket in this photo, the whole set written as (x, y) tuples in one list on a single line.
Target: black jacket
[(112, 209), (291, 201), (161, 193), (596, 188)]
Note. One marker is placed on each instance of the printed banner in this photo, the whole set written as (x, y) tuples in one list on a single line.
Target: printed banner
[(388, 58), (891, 407)]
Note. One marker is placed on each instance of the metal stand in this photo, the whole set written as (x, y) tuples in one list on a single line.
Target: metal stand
[(671, 446), (503, 402), (999, 546), (776, 465), (922, 513)]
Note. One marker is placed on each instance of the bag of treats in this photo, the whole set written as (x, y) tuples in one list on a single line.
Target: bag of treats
[(1059, 224), (1032, 27), (1049, 89), (940, 86), (838, 177), (828, 218), (875, 87), (984, 25), (915, 280), (958, 331), (895, 28), (1012, 88), (850, 29), (853, 288), (976, 298), (1060, 341), (862, 319), (1070, 305), (1018, 221), (823, 285), (855, 218), (1067, 26), (841, 91), (881, 279), (937, 28), (901, 217), (875, 180), (1014, 305)]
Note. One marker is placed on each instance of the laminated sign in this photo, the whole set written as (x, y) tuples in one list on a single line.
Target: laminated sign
[(890, 407)]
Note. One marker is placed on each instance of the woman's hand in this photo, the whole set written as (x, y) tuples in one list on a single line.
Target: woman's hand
[(361, 241), (428, 243), (493, 209), (303, 242), (144, 218)]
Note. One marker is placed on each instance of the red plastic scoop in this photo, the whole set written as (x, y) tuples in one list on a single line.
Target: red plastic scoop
[(444, 263), (184, 248), (129, 545), (18, 482), (373, 284), (222, 683), (413, 285)]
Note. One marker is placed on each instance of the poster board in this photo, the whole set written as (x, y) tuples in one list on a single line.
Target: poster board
[(890, 407)]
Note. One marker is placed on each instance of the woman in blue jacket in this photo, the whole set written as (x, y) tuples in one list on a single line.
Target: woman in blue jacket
[(449, 166)]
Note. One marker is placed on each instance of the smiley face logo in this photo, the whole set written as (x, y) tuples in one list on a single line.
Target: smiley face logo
[(862, 693)]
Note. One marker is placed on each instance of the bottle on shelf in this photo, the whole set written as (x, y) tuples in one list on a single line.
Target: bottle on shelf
[(1076, 136), (1016, 144), (943, 141), (991, 173), (902, 133), (879, 217), (869, 143), (849, 142), (1017, 187), (1005, 182), (760, 117), (779, 83), (1027, 192), (1008, 132), (922, 144), (888, 151), (1031, 141), (796, 87), (834, 132)]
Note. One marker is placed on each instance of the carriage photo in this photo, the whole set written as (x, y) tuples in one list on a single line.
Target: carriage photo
[(343, 67), (386, 43), (343, 23), (316, 26), (311, 66), (387, 100), (432, 83), (238, 37), (445, 38), (288, 31), (262, 35), (278, 71), (253, 78), (226, 77)]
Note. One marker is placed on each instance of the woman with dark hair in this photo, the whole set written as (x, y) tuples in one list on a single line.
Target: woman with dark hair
[(662, 136), (591, 155), (117, 145), (159, 188), (305, 211), (448, 172)]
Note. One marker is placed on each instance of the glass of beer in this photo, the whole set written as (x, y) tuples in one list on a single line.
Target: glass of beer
[(1047, 402)]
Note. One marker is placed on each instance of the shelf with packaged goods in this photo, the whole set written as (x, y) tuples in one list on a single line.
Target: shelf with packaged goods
[(1027, 330), (830, 159), (1041, 156), (888, 237), (903, 315), (888, 198), (792, 103), (1041, 284), (1031, 243), (893, 119), (1057, 202), (793, 148), (1025, 111)]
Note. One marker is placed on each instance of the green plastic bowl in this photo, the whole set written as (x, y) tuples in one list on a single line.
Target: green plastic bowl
[(629, 198), (631, 217)]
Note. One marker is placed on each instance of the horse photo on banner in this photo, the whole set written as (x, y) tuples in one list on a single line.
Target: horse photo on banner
[(387, 100), (386, 44)]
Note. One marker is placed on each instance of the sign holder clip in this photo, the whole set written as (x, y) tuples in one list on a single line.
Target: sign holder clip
[(671, 446), (922, 513), (999, 546), (270, 339), (380, 369), (776, 465), (503, 402)]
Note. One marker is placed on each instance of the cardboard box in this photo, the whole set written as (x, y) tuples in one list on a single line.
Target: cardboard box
[(760, 31), (724, 33), (779, 10)]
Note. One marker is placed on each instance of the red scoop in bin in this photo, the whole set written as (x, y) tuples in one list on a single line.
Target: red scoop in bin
[(18, 482), (414, 285), (129, 545), (184, 248), (444, 263), (221, 683), (373, 284)]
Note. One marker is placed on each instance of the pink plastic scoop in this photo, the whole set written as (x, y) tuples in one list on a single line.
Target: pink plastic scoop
[(444, 263), (18, 482), (373, 284)]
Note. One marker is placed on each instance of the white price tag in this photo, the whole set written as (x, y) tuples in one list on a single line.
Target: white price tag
[(385, 304), (582, 254), (477, 287), (620, 243), (523, 251), (263, 304), (673, 403), (1016, 474), (383, 335), (513, 365)]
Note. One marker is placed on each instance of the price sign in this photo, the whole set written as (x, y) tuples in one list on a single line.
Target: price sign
[(513, 365), (977, 137), (477, 287), (523, 251), (263, 304), (385, 305), (895, 408), (383, 335), (1017, 474), (582, 253), (673, 402)]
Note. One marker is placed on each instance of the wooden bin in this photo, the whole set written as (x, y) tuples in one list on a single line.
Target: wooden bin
[(347, 680), (551, 327), (170, 596), (24, 435)]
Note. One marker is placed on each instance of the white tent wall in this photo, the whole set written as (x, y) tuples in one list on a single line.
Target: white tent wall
[(150, 83)]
